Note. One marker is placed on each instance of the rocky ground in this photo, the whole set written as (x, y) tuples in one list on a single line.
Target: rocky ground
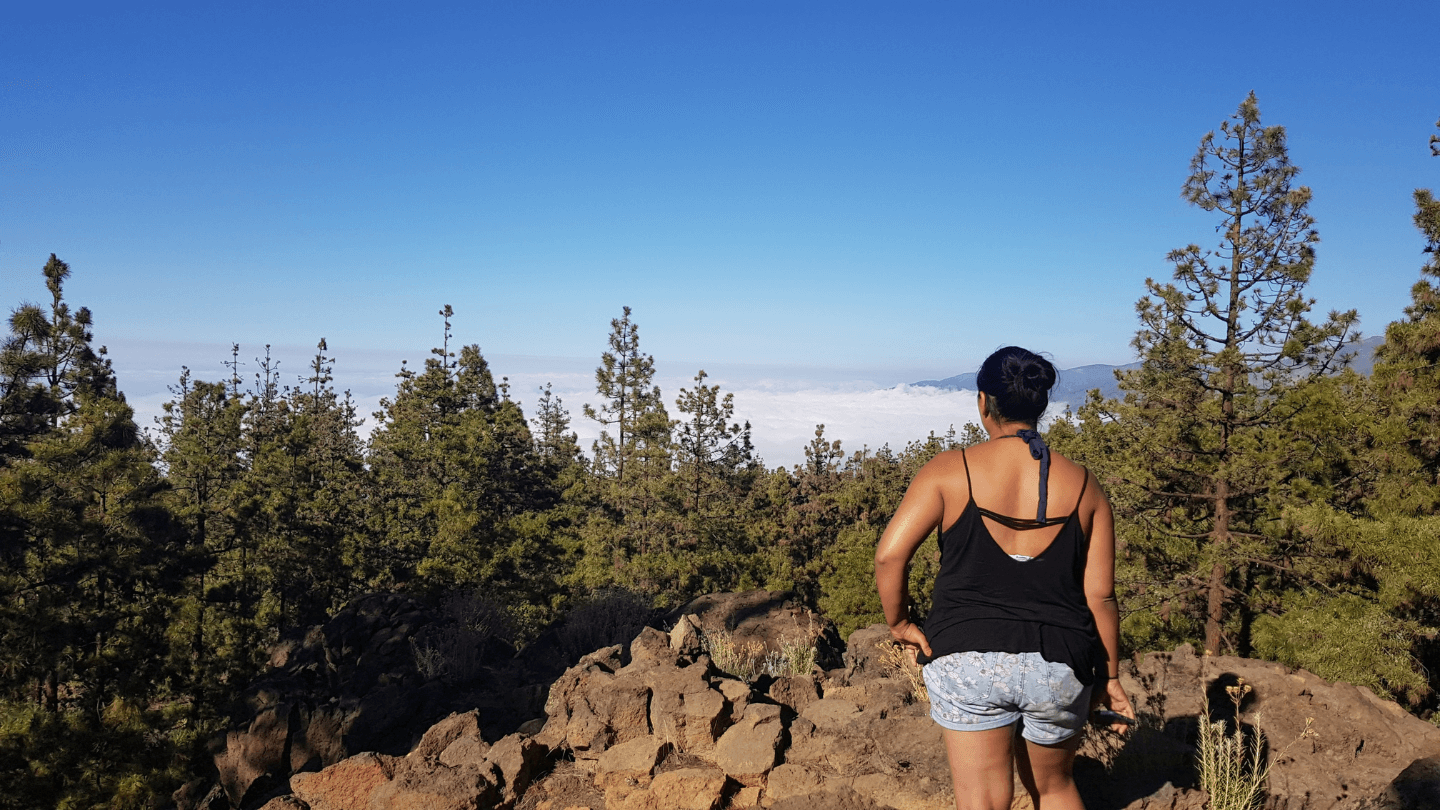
[(346, 721)]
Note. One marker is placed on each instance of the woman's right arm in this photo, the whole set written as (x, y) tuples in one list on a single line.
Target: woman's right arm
[(1100, 596), (919, 513)]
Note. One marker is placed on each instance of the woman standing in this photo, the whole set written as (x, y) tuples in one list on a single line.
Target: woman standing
[(1024, 626)]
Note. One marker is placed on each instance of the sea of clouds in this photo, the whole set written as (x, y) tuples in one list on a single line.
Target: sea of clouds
[(862, 408)]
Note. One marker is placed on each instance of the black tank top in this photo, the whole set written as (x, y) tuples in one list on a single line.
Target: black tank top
[(987, 601)]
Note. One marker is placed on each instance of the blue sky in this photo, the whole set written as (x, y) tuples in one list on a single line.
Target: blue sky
[(811, 192)]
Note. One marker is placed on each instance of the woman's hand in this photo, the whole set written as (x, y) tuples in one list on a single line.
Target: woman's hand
[(911, 637), (1113, 698)]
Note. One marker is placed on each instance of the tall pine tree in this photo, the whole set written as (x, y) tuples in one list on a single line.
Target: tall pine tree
[(85, 573), (1233, 412)]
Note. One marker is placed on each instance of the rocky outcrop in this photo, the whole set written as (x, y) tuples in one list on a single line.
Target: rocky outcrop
[(1359, 744), (654, 724), (768, 618)]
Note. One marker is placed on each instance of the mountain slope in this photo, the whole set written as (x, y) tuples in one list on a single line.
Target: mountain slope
[(1073, 384)]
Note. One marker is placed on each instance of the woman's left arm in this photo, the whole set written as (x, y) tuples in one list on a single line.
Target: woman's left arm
[(920, 512)]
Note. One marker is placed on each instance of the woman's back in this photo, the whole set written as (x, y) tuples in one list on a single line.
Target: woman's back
[(1001, 477)]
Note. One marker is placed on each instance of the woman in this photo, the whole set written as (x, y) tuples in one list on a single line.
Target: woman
[(1024, 626)]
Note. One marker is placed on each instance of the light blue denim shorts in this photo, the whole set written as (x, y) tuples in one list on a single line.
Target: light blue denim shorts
[(976, 691)]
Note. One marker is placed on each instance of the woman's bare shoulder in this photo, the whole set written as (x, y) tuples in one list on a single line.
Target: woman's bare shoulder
[(945, 465), (1079, 473)]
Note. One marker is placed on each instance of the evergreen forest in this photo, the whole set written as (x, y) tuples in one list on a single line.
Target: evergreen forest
[(1270, 501)]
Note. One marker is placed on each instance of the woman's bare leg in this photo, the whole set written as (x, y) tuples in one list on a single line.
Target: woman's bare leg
[(1048, 774), (981, 764)]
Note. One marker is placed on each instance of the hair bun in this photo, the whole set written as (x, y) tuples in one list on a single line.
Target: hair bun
[(1018, 382)]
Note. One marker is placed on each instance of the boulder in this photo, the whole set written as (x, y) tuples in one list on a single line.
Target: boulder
[(441, 735), (863, 650), (685, 638), (422, 784), (748, 750), (468, 750), (517, 758), (770, 618), (285, 803), (792, 780), (683, 789), (832, 714), (685, 710), (630, 763), (1416, 788), (1359, 745), (572, 721), (795, 691), (651, 648), (345, 785)]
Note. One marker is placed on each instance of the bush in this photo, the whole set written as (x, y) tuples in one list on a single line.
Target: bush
[(611, 616), (471, 629)]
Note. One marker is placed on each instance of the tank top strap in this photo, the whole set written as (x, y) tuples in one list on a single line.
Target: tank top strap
[(969, 484), (1083, 485)]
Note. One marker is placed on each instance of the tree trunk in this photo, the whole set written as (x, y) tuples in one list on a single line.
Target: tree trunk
[(1215, 609)]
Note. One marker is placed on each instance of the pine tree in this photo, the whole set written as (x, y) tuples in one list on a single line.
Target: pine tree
[(632, 403), (710, 448), (201, 451), (460, 485), (1373, 615), (1233, 412), (86, 575), (1406, 380), (554, 440)]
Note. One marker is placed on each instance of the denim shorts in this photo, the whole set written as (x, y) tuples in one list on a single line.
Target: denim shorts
[(976, 691)]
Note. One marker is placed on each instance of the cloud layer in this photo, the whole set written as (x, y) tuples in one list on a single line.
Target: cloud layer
[(861, 408)]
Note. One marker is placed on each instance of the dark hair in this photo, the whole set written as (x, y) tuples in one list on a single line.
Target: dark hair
[(1017, 382)]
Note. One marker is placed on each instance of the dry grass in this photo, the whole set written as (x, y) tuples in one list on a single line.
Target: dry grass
[(1233, 765), (900, 664), (750, 660)]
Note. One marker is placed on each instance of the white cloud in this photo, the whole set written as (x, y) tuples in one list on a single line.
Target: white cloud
[(859, 407)]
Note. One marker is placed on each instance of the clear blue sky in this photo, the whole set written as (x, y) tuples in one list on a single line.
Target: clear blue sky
[(813, 184)]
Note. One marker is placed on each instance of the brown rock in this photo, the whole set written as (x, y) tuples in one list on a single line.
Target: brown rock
[(737, 692), (1416, 788), (862, 650), (572, 721), (285, 803), (831, 714), (421, 784), (1363, 742), (465, 751), (844, 754), (586, 733), (746, 797), (747, 750), (684, 789), (685, 638), (792, 780), (254, 752), (441, 735), (903, 794), (838, 798), (622, 705), (672, 691), (795, 691), (706, 716), (630, 762), (770, 618), (346, 785), (517, 758), (651, 648)]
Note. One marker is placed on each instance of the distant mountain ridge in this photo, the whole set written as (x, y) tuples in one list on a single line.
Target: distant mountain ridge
[(1072, 385)]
